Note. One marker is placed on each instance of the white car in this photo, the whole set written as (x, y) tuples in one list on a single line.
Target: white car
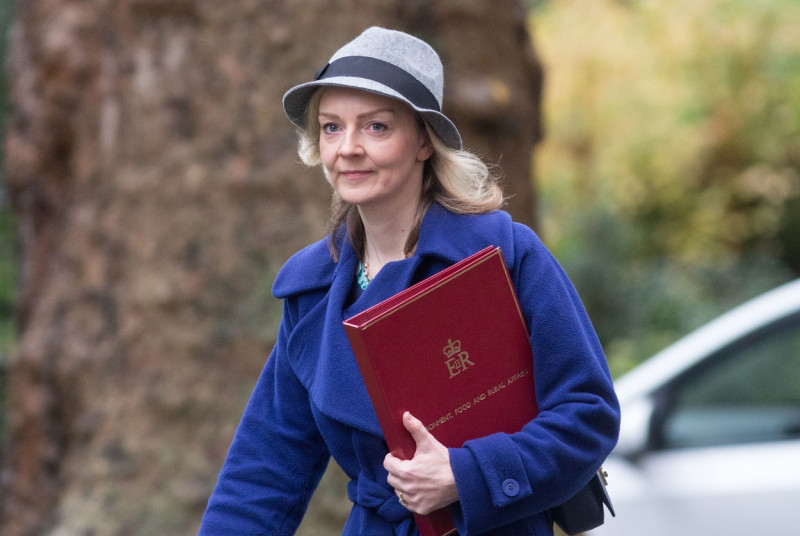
[(710, 437)]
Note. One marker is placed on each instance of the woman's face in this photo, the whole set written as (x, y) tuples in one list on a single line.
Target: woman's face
[(372, 148)]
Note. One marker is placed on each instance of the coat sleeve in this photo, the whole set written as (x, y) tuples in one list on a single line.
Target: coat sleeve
[(502, 478), (276, 459)]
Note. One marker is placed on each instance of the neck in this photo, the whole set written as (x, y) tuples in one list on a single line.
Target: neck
[(386, 235)]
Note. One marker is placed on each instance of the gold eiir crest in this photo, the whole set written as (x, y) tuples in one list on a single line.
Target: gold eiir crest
[(457, 361)]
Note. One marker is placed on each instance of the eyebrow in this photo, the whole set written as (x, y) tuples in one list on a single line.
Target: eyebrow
[(376, 111)]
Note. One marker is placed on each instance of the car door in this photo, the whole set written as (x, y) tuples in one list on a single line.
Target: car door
[(723, 453)]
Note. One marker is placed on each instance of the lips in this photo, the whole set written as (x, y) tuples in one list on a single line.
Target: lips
[(354, 174)]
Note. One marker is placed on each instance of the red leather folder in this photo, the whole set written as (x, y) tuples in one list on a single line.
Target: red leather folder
[(453, 350)]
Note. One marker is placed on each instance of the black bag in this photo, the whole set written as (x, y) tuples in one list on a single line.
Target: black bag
[(584, 511)]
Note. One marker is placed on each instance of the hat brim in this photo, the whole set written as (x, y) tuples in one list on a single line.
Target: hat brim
[(295, 102)]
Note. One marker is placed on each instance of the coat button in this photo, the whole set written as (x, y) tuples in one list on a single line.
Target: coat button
[(511, 487)]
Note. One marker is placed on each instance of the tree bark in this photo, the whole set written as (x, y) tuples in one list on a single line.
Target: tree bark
[(157, 192)]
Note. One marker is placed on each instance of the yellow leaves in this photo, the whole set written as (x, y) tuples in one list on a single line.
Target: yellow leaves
[(682, 117)]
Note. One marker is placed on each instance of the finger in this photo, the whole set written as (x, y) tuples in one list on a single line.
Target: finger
[(416, 428), (401, 497), (391, 463), (395, 475)]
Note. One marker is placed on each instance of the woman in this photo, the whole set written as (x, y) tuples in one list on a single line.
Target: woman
[(408, 202)]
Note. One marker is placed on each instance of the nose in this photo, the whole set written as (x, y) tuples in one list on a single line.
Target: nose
[(351, 144)]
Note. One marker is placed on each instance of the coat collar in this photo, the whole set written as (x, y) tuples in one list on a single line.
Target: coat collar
[(452, 237), (443, 235)]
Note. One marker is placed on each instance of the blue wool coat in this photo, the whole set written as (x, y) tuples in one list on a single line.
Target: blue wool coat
[(310, 402)]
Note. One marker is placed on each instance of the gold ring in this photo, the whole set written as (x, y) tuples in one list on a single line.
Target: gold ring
[(403, 499)]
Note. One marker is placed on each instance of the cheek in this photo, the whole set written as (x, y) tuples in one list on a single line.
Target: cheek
[(400, 156), (327, 154)]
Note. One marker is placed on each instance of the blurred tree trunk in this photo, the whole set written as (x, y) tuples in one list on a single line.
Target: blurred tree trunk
[(157, 192)]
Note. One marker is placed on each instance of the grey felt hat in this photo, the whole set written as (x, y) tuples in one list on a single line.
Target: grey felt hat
[(389, 63)]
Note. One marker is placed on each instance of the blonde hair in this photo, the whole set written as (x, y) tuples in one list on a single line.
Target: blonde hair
[(456, 179)]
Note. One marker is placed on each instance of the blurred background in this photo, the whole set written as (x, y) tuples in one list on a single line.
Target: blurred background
[(150, 192)]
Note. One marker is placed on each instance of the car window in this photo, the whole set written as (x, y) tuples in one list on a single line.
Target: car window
[(747, 393)]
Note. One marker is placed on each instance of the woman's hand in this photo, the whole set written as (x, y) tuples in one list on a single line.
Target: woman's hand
[(425, 482)]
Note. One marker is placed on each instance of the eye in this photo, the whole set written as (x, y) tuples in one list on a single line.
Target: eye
[(375, 126), (330, 128)]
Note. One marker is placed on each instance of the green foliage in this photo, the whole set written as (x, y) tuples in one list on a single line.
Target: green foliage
[(8, 279), (8, 251), (670, 173)]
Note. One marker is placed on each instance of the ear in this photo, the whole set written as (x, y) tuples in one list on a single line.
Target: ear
[(425, 152), (426, 147)]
